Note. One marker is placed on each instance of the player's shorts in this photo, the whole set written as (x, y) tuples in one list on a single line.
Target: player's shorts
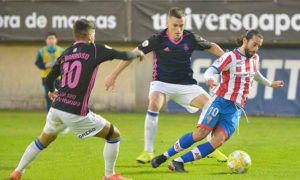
[(181, 94), (220, 112), (82, 126)]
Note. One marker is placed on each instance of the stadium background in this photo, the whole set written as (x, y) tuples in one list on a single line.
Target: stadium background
[(122, 24)]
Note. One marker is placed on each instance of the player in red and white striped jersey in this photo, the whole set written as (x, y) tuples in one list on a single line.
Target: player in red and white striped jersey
[(238, 69)]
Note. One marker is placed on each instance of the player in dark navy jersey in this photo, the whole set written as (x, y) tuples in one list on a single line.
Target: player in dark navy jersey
[(172, 75), (78, 67)]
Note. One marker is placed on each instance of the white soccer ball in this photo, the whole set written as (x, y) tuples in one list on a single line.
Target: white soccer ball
[(239, 162)]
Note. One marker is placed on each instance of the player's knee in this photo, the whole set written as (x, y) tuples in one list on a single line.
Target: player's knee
[(113, 133), (154, 106), (200, 133), (116, 133), (218, 140)]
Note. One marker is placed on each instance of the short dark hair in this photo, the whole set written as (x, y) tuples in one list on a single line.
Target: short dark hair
[(176, 12), (83, 27), (51, 33), (248, 35)]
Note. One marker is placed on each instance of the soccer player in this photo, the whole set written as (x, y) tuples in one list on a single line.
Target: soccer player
[(46, 59), (78, 66), (238, 69), (172, 75)]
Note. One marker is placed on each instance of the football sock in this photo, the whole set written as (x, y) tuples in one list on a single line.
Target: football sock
[(110, 153), (197, 153), (184, 142), (29, 155), (150, 129)]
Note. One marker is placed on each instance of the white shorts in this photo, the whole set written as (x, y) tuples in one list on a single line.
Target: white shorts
[(82, 126), (181, 94)]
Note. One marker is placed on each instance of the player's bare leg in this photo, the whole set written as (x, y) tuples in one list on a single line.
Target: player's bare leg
[(200, 102), (156, 101), (31, 152), (111, 151)]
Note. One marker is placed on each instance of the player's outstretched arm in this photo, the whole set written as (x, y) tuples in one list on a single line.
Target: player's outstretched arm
[(262, 80), (215, 49), (110, 79)]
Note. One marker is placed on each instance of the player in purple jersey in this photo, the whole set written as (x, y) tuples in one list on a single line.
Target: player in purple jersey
[(78, 66), (172, 75)]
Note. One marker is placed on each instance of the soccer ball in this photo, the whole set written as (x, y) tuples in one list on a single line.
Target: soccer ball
[(239, 162)]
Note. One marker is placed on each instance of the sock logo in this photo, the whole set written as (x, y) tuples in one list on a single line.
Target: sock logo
[(177, 146)]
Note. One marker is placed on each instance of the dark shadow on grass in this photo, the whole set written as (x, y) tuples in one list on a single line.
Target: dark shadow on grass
[(148, 172), (221, 173), (134, 166)]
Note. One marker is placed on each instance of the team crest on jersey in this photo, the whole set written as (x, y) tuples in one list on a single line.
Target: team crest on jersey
[(185, 47), (145, 43)]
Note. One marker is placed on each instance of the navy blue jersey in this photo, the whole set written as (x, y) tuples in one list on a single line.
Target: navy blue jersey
[(78, 67), (172, 60)]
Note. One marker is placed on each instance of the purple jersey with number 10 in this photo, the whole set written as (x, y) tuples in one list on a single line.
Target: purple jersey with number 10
[(78, 67)]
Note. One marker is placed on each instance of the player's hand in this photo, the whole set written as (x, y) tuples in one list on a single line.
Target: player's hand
[(52, 95), (109, 82), (48, 65), (211, 83), (142, 55), (277, 84)]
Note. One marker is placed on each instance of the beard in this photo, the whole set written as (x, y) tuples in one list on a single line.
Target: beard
[(248, 53)]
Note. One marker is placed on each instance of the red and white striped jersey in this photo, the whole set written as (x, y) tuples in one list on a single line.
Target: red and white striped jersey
[(237, 75)]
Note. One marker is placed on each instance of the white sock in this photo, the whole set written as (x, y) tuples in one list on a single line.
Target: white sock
[(29, 155), (151, 122), (110, 153)]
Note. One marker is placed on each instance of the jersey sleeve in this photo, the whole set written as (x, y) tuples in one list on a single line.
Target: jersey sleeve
[(222, 63), (201, 43), (54, 73), (105, 53), (39, 60), (149, 44)]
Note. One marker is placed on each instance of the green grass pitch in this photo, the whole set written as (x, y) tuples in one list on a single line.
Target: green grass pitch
[(272, 142)]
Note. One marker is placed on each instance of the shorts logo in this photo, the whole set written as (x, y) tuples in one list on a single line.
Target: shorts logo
[(87, 133)]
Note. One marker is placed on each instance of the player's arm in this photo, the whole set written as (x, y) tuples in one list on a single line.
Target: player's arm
[(203, 44), (223, 63), (39, 61), (110, 79), (262, 80), (215, 49), (146, 47), (49, 81)]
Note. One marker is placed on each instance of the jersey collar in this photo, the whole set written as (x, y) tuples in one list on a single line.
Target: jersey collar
[(80, 41), (170, 38)]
